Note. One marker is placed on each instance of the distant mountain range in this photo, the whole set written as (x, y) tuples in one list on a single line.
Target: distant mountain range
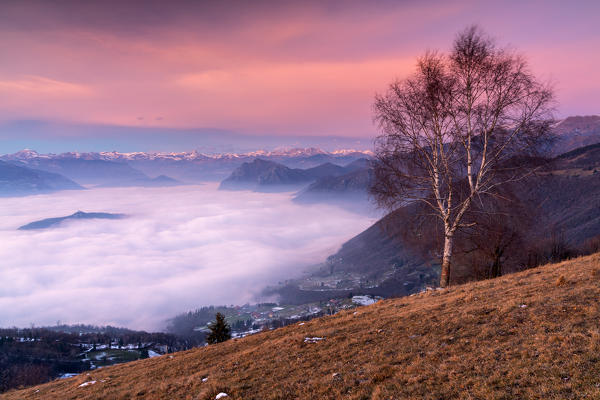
[(135, 169), (52, 222), (325, 175), (316, 154), (18, 180)]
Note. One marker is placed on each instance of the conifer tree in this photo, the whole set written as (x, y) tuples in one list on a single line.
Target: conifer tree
[(219, 330)]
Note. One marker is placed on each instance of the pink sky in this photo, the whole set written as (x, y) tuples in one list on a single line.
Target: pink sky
[(258, 67)]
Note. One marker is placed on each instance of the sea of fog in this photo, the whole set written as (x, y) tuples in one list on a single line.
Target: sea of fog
[(181, 248)]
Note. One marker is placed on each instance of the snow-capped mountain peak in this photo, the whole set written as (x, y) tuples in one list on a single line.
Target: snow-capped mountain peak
[(195, 155)]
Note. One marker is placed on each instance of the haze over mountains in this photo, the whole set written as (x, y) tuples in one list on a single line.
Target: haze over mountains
[(375, 261), (16, 180), (577, 131), (67, 136), (166, 169)]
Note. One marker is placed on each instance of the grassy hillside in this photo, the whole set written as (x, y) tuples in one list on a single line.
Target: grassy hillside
[(533, 334)]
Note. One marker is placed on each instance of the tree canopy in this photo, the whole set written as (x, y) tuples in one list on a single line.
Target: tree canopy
[(463, 125)]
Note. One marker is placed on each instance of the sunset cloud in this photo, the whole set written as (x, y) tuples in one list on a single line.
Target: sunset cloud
[(284, 68), (41, 86)]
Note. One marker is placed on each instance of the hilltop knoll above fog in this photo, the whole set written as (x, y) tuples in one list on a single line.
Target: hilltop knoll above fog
[(52, 222), (528, 335)]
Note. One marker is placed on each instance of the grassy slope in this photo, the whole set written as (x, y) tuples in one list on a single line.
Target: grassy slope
[(529, 335)]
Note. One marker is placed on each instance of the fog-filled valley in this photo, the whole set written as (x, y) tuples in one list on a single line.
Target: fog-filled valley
[(179, 248)]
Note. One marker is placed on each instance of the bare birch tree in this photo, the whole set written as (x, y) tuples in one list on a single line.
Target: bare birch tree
[(461, 126)]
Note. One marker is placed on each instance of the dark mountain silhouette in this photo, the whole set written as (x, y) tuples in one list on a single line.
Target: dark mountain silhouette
[(263, 175), (51, 222), (19, 181), (350, 188), (94, 172), (360, 164), (325, 170), (327, 178)]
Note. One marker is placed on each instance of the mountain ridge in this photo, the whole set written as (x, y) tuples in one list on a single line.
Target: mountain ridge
[(16, 180), (185, 167), (189, 155)]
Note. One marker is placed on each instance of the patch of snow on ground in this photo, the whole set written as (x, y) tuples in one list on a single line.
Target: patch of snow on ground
[(221, 395), (313, 339), (67, 375), (87, 383), (237, 335)]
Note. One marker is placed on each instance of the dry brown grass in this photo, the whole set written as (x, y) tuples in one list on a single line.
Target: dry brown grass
[(516, 337)]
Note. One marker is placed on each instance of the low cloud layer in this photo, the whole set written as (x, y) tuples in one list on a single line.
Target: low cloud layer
[(181, 248)]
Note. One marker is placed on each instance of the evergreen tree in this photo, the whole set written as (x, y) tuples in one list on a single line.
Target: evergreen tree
[(219, 330), (144, 353)]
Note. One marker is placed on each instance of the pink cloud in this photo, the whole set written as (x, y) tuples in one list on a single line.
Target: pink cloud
[(281, 68), (42, 86)]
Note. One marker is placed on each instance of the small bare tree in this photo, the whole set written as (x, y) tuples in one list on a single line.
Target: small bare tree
[(464, 124)]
